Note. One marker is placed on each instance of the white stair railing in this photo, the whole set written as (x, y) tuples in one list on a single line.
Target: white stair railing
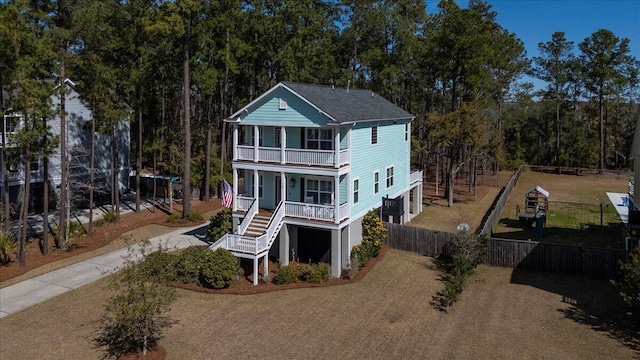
[(274, 224), (251, 213)]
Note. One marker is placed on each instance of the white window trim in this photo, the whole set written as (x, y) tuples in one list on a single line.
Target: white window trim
[(376, 182), (319, 178), (406, 132), (386, 176), (319, 138), (353, 191), (260, 186), (371, 135)]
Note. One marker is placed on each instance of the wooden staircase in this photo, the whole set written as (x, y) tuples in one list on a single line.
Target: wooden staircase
[(258, 226)]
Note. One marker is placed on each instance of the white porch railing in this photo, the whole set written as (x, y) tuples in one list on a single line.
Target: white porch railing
[(274, 225), (269, 154), (343, 211), (632, 190), (253, 210), (415, 177), (245, 152), (309, 157), (344, 157), (309, 211), (238, 243), (243, 203)]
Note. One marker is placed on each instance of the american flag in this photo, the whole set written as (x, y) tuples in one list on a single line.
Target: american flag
[(227, 194)]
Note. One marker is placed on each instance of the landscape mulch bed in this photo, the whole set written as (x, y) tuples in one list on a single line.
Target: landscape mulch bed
[(156, 353), (102, 235), (246, 287)]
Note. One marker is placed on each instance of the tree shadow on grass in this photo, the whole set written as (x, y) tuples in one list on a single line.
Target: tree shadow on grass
[(593, 303)]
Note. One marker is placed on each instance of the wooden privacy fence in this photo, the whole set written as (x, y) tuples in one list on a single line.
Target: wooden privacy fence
[(591, 262), (418, 240), (493, 215)]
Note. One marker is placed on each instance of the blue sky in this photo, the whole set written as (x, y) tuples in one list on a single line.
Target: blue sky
[(533, 21)]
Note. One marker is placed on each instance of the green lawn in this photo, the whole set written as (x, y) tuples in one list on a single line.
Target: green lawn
[(574, 210)]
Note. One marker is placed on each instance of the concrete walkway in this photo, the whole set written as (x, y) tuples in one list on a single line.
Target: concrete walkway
[(27, 293)]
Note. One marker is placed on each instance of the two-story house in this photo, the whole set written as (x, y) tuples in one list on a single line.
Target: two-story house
[(309, 162), (78, 118)]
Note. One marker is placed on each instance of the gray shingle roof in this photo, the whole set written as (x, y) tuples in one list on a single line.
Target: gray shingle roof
[(350, 106)]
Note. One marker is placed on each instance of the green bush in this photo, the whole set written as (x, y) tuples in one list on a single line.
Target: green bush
[(316, 273), (220, 224), (218, 269), (629, 286), (173, 218), (135, 316), (373, 235), (8, 246), (110, 217), (189, 264), (287, 274), (194, 216), (161, 265)]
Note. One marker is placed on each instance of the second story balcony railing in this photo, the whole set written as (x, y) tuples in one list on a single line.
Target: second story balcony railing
[(309, 157)]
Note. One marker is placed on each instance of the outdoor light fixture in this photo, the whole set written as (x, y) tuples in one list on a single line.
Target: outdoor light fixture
[(292, 182)]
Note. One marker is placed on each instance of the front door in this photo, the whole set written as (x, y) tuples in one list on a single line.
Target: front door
[(278, 191)]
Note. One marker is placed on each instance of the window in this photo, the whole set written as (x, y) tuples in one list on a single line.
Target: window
[(376, 182), (320, 190), (34, 166), (374, 135), (260, 137), (389, 177), (406, 132), (282, 104), (320, 139), (356, 191)]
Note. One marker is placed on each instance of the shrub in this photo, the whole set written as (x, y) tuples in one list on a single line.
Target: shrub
[(287, 274), (316, 273), (629, 286), (373, 235), (173, 218), (218, 268), (219, 225), (467, 251), (161, 265), (134, 317), (189, 263), (194, 216), (110, 217), (8, 246)]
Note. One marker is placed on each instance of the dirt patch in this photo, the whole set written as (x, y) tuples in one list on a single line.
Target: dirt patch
[(130, 228), (245, 285), (156, 353)]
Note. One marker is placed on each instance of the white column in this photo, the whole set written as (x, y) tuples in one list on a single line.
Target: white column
[(336, 250), (336, 198), (235, 188), (235, 142), (255, 271), (256, 185), (283, 187), (284, 245), (256, 142), (336, 147), (283, 145), (265, 266)]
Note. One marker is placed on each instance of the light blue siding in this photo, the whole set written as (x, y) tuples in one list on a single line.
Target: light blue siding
[(343, 190), (391, 150), (297, 113), (343, 137)]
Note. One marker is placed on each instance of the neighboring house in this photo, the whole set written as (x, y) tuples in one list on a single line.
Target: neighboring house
[(309, 162), (78, 118)]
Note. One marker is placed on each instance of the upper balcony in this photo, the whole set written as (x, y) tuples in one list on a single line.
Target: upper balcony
[(290, 156), (324, 147)]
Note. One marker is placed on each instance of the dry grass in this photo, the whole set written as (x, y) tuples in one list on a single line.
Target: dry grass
[(561, 229), (501, 315), (467, 208)]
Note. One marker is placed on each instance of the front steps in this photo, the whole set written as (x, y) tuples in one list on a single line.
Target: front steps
[(258, 226)]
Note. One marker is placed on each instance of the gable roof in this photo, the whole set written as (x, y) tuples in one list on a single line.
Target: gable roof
[(538, 189), (340, 105)]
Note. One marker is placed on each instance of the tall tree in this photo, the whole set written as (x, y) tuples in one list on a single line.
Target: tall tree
[(604, 57)]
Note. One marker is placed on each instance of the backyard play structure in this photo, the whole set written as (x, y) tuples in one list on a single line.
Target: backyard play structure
[(536, 205)]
